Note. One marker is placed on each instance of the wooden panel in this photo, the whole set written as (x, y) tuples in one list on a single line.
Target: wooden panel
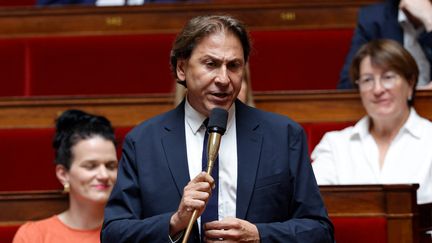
[(124, 111), (154, 18), (327, 106), (41, 112), (18, 207), (397, 203)]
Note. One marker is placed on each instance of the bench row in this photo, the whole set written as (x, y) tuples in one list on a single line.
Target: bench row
[(28, 158), (387, 213), (136, 64), (26, 125)]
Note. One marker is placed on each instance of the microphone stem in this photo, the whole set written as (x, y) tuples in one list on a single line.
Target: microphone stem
[(195, 212), (212, 150)]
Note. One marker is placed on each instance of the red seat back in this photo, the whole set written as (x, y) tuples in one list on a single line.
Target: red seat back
[(28, 158), (360, 230)]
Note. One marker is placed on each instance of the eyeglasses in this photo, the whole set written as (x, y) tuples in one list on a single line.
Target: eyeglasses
[(387, 81)]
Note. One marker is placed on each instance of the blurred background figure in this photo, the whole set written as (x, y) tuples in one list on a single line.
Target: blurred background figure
[(108, 2), (391, 144), (408, 22), (86, 165), (245, 95)]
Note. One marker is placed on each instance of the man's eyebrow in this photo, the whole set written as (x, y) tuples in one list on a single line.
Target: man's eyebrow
[(214, 58)]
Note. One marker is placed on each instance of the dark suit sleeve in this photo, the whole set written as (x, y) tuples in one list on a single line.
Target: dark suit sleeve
[(362, 35), (122, 221), (425, 40), (308, 220)]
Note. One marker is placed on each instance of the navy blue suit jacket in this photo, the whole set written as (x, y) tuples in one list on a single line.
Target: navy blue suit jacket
[(276, 188), (379, 21)]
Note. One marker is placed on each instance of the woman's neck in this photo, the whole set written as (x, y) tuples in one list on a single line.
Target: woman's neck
[(387, 129), (83, 216), (384, 131)]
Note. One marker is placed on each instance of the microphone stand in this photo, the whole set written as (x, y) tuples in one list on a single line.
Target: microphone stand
[(212, 152)]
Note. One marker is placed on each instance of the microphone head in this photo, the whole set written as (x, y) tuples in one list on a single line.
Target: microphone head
[(217, 121)]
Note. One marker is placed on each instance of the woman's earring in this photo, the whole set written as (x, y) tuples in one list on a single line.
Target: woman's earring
[(66, 187)]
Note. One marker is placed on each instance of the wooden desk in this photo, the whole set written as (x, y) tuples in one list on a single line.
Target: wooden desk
[(126, 111), (18, 207), (396, 203), (162, 18)]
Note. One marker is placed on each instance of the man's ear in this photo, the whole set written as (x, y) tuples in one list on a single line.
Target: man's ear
[(181, 69), (62, 174)]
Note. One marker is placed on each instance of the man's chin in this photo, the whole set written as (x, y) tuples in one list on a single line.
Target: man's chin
[(224, 105)]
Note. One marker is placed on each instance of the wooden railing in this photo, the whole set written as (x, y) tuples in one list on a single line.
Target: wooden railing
[(158, 18), (124, 111), (395, 203), (18, 207)]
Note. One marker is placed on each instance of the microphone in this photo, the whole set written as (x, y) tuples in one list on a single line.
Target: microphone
[(216, 128)]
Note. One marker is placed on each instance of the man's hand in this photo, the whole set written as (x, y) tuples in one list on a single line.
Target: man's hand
[(231, 230), (419, 9), (195, 196)]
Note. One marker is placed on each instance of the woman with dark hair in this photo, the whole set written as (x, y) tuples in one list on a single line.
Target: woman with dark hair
[(86, 165), (391, 144)]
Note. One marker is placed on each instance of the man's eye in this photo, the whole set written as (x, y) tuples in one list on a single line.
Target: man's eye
[(234, 65), (210, 64)]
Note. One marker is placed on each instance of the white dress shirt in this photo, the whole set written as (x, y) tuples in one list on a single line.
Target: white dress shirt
[(412, 45), (350, 156), (195, 131)]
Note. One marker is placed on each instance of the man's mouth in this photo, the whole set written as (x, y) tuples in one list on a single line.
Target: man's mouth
[(220, 95)]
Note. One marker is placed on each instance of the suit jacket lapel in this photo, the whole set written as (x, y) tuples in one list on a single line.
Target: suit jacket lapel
[(248, 152), (174, 145)]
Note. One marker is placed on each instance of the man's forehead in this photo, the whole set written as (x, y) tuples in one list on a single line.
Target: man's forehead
[(220, 47)]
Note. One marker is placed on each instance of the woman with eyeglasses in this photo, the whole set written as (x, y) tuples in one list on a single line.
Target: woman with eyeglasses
[(392, 143)]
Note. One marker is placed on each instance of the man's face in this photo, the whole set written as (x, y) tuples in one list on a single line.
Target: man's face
[(213, 73)]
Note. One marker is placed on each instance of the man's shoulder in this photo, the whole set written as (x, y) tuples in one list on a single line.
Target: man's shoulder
[(378, 11), (271, 120), (156, 123)]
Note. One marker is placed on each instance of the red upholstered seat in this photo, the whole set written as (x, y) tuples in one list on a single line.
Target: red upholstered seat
[(15, 3), (360, 230), (7, 233), (120, 136), (12, 67), (315, 131), (127, 64), (134, 64), (298, 59), (28, 158)]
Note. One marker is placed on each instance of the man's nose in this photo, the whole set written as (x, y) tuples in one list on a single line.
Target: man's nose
[(222, 75)]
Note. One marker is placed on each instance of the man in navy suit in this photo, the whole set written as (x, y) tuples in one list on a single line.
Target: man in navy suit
[(266, 192), (407, 21)]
